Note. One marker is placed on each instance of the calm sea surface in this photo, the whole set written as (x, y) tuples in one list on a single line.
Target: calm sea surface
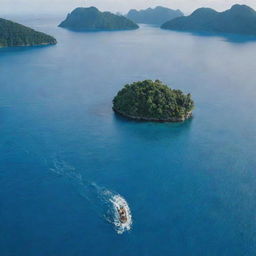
[(191, 187)]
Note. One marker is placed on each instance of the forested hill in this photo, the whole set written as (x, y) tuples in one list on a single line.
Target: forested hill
[(92, 19), (240, 19), (14, 34)]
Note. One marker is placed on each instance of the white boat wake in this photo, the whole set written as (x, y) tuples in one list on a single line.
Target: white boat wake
[(104, 201), (118, 202)]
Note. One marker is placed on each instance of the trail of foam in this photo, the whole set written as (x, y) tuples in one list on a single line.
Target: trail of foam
[(104, 201)]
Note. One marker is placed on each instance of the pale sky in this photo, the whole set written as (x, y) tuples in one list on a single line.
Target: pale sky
[(9, 7)]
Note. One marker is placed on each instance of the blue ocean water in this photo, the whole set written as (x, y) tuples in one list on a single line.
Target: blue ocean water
[(191, 187)]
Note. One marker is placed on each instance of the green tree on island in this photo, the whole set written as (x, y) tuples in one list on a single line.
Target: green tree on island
[(153, 101)]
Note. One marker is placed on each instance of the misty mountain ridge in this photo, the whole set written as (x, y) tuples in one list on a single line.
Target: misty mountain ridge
[(157, 15)]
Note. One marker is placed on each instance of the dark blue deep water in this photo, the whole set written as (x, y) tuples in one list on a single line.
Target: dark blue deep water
[(191, 187)]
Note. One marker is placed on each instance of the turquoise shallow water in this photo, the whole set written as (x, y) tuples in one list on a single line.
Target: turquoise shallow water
[(191, 187)]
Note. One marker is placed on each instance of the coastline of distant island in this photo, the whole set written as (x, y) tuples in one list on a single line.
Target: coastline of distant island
[(91, 19), (13, 34), (239, 19)]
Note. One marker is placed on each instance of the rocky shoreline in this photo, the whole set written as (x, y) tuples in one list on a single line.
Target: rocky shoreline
[(146, 119), (30, 45)]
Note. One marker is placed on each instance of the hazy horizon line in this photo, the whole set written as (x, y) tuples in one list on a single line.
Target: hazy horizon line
[(64, 10)]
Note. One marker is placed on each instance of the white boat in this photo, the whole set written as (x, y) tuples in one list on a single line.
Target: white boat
[(122, 216)]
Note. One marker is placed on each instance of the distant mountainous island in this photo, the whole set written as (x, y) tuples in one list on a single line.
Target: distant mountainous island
[(92, 19), (153, 101), (14, 34), (240, 19), (157, 15)]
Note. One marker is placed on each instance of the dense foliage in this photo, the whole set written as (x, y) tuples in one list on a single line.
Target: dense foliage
[(158, 15), (153, 100), (14, 34), (240, 19), (92, 19)]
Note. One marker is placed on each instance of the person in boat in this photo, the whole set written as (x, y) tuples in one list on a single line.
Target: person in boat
[(122, 214)]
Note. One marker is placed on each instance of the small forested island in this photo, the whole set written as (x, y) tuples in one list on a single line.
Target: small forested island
[(153, 101), (157, 15), (14, 34), (91, 19), (240, 19)]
